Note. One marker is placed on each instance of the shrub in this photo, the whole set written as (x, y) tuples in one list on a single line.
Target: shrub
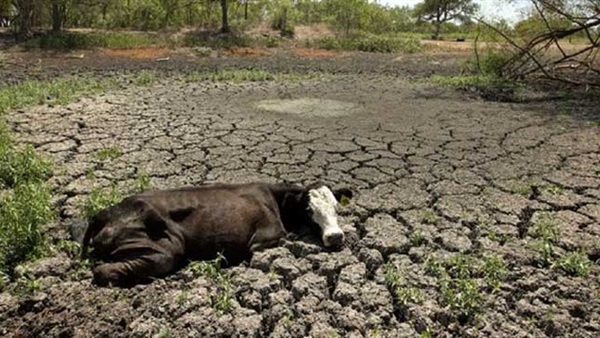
[(369, 43), (23, 212), (70, 40)]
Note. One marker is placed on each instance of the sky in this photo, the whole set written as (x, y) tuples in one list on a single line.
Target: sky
[(490, 9)]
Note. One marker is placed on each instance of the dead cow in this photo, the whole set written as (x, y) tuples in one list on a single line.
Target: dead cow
[(152, 234)]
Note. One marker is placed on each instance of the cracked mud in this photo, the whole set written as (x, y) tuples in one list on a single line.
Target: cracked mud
[(437, 176)]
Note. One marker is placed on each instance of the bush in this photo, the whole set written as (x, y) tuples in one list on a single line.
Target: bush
[(23, 212), (369, 43), (70, 40), (20, 165)]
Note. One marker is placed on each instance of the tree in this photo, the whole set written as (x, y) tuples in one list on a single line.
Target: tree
[(440, 11), (224, 22), (24, 16)]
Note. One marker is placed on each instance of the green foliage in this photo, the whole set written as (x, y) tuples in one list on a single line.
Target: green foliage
[(403, 293), (368, 43), (101, 198), (222, 299), (492, 62), (59, 91), (460, 281), (18, 165), (24, 210), (243, 75), (574, 263), (74, 40), (429, 217), (440, 11), (416, 238), (145, 78), (110, 153)]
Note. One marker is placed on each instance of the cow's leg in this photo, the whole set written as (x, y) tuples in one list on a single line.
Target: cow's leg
[(132, 271), (268, 234)]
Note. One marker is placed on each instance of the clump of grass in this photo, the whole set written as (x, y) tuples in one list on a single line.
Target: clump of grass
[(520, 187), (470, 81), (222, 299), (145, 78), (59, 91), (238, 76), (416, 238), (460, 281), (109, 153), (547, 232), (554, 189), (101, 198), (24, 210), (403, 293), (428, 216), (574, 263), (19, 165)]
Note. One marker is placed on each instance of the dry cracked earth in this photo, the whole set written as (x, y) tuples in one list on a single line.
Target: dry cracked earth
[(444, 184)]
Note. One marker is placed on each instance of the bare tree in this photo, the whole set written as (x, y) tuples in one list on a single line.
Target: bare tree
[(546, 54)]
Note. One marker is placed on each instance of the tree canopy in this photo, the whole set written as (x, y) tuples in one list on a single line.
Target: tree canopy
[(440, 11)]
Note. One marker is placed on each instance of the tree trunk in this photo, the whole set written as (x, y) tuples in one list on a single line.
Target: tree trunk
[(438, 27), (56, 17), (25, 13), (224, 23), (246, 10)]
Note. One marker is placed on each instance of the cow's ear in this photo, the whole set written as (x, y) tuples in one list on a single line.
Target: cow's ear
[(155, 224), (343, 195)]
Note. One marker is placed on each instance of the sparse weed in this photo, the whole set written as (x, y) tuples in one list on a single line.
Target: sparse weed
[(71, 248), (520, 187), (145, 78), (164, 332), (222, 299), (428, 216), (554, 189), (99, 199), (404, 294), (416, 238), (142, 182), (426, 333), (546, 228), (574, 263), (237, 76), (462, 295), (109, 153), (181, 297), (494, 271)]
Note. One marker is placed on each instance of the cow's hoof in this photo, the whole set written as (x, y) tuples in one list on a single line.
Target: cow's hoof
[(334, 239)]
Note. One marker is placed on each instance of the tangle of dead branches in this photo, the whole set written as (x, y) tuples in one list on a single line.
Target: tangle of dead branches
[(548, 54)]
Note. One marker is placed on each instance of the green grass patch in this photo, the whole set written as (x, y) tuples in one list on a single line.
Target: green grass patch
[(244, 75), (24, 210), (368, 43), (574, 264), (464, 278), (58, 91), (145, 78), (222, 298), (115, 40), (109, 153), (403, 293)]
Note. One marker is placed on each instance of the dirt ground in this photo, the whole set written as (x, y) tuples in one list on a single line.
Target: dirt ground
[(437, 174)]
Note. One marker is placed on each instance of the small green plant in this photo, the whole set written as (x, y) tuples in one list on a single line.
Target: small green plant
[(545, 228), (99, 199), (554, 189), (109, 153), (428, 216), (71, 248), (403, 294), (142, 182), (181, 297), (426, 333), (574, 263), (494, 271), (520, 187), (145, 78), (462, 295), (416, 238), (164, 332), (222, 299)]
